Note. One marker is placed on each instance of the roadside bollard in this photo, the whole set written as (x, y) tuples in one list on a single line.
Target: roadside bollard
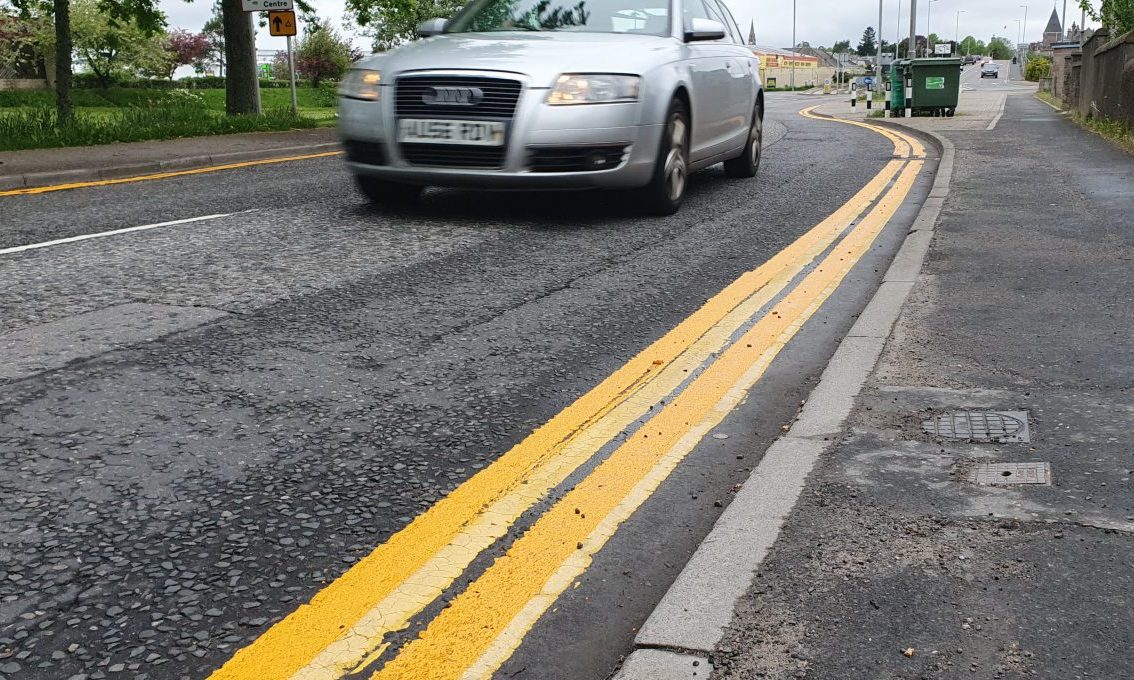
[(887, 109)]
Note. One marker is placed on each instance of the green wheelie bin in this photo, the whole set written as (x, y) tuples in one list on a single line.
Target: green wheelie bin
[(936, 85)]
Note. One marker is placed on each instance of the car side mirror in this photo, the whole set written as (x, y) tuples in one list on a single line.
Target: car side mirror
[(431, 27), (704, 29)]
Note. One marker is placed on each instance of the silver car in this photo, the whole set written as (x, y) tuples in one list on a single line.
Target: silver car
[(557, 94)]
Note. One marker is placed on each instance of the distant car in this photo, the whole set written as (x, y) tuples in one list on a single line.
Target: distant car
[(989, 70), (558, 94), (970, 59)]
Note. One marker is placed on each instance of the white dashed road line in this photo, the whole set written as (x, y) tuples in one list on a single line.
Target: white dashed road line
[(115, 232)]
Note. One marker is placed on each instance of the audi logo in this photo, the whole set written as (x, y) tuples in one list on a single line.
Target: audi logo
[(452, 96)]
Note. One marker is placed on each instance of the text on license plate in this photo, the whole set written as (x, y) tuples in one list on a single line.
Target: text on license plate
[(429, 131)]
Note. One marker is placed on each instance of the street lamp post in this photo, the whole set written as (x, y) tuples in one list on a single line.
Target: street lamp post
[(957, 30), (1024, 28), (928, 11), (793, 45)]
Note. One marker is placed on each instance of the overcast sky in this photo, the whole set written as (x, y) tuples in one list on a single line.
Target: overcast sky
[(819, 22)]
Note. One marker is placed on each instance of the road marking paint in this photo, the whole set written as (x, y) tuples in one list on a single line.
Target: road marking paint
[(372, 600), (162, 175), (999, 112), (127, 230), (348, 652), (343, 626), (483, 625), (906, 146)]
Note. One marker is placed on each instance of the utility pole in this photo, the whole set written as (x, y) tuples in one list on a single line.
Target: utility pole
[(912, 51), (957, 30), (793, 45), (1063, 22), (1024, 27), (878, 59), (928, 12)]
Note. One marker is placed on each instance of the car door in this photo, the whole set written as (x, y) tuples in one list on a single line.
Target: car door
[(743, 73), (706, 62)]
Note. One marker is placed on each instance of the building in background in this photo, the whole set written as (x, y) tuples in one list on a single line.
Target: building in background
[(776, 67)]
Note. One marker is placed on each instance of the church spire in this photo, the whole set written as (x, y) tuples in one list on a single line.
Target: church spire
[(752, 33)]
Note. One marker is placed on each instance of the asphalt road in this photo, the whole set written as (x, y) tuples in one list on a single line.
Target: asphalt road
[(203, 424)]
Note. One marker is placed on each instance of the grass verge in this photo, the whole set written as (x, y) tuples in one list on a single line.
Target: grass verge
[(39, 128), (1115, 131)]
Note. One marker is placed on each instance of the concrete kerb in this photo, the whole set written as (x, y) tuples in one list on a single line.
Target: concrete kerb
[(41, 179), (694, 614)]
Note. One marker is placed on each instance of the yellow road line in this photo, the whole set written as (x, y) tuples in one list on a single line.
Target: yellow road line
[(343, 626), (163, 175), (484, 624), (912, 145)]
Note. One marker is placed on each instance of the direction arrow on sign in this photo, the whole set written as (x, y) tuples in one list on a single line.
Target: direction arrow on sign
[(266, 5), (281, 23)]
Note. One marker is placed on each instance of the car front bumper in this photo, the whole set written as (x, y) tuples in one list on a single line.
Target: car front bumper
[(368, 130)]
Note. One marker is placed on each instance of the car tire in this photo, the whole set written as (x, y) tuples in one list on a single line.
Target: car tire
[(385, 192), (666, 190), (748, 162)]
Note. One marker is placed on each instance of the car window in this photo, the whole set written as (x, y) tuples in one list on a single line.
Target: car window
[(648, 17), (698, 9), (730, 23)]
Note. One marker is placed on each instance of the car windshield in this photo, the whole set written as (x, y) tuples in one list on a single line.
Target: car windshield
[(646, 17)]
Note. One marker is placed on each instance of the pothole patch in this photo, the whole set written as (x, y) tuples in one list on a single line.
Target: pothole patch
[(1004, 474), (981, 426)]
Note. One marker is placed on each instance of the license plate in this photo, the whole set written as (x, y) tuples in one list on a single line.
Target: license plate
[(470, 132)]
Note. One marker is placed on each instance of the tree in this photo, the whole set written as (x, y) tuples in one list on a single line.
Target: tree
[(322, 55), (113, 47), (971, 45), (1113, 14), (185, 48), (241, 81), (393, 22), (841, 46), (281, 70), (213, 30), (868, 45), (903, 47), (1000, 48)]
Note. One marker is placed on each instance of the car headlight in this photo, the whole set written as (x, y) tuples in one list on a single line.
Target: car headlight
[(593, 88), (361, 83)]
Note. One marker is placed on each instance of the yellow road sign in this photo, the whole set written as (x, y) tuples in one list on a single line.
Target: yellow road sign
[(281, 23)]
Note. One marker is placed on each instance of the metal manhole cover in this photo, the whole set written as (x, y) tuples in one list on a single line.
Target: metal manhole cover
[(981, 426), (996, 474)]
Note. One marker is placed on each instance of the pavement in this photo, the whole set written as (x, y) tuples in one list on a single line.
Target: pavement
[(970, 512), (42, 167)]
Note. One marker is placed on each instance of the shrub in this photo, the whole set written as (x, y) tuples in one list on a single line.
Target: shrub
[(39, 128), (1038, 67)]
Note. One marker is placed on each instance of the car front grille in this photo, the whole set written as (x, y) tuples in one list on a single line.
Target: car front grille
[(499, 97), (575, 158), (453, 155), (496, 99)]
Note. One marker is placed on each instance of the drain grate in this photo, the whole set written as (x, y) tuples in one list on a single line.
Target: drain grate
[(997, 474), (981, 426)]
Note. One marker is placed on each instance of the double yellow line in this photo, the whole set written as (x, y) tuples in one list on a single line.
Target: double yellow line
[(345, 627)]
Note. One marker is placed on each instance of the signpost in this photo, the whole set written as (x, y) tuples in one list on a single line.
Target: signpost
[(943, 49), (266, 5), (283, 23)]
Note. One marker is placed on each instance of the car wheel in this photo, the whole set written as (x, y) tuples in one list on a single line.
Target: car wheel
[(386, 192), (666, 190), (748, 162)]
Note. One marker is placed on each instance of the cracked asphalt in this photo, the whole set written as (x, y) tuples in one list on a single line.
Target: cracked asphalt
[(260, 399)]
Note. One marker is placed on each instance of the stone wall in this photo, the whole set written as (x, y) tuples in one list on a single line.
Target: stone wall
[(1106, 80)]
